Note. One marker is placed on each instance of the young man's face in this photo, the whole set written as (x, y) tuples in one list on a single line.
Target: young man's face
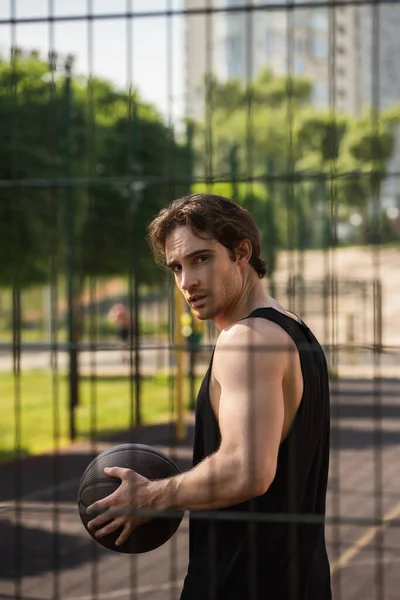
[(204, 272)]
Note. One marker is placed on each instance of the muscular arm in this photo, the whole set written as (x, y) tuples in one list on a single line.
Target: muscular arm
[(251, 414)]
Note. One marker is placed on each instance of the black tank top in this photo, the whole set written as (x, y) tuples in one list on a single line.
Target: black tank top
[(278, 558)]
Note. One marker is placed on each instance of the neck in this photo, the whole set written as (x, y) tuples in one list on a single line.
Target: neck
[(252, 296)]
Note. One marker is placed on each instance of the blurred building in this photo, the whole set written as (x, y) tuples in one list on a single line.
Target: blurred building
[(378, 73), (351, 54)]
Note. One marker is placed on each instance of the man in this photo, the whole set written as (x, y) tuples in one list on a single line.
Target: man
[(261, 447), (119, 315)]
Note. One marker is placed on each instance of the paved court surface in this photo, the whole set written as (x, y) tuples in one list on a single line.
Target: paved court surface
[(45, 553), (155, 358)]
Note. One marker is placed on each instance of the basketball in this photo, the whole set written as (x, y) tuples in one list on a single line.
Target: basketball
[(95, 485)]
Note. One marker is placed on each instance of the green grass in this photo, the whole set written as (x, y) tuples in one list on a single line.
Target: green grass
[(42, 412), (105, 332), (27, 335)]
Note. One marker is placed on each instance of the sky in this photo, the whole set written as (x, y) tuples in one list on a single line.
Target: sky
[(156, 77)]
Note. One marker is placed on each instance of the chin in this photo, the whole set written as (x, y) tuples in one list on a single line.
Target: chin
[(203, 317), (202, 314)]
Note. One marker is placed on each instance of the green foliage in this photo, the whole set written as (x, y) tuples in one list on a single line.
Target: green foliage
[(63, 129), (57, 130), (320, 159), (267, 90), (320, 135)]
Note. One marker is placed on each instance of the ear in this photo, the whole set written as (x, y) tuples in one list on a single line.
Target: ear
[(244, 251)]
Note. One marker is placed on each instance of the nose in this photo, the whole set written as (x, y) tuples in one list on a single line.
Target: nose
[(188, 280)]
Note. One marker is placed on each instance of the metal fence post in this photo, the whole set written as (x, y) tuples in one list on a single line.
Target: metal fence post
[(73, 383)]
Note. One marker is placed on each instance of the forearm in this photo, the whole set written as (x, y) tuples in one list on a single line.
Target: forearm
[(216, 482)]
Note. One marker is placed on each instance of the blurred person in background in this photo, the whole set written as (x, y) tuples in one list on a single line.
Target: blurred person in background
[(124, 322)]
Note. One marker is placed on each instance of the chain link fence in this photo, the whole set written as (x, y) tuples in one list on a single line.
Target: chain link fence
[(107, 113)]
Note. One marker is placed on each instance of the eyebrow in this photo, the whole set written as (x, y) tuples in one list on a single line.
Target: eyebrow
[(173, 263)]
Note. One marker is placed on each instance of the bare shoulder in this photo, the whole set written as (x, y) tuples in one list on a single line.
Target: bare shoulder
[(254, 331), (258, 340)]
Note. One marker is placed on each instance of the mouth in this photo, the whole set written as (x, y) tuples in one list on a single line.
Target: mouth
[(197, 301)]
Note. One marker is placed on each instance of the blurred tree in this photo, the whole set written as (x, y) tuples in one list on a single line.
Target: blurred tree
[(84, 168), (326, 163), (55, 137)]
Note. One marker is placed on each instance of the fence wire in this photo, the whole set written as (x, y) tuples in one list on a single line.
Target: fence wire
[(290, 109)]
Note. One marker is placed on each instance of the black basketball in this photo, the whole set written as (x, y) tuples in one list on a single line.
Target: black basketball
[(95, 485)]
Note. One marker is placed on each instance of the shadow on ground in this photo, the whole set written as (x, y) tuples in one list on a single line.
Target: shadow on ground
[(37, 477), (28, 549), (348, 438), (363, 411)]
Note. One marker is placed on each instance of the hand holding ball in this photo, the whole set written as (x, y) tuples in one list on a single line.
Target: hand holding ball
[(129, 464)]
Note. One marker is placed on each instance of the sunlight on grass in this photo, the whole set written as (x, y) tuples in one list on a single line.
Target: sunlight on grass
[(38, 404)]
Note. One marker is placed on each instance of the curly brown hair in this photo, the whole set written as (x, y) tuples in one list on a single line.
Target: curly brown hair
[(216, 217)]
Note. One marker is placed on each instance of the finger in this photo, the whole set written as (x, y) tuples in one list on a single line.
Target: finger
[(118, 472), (125, 535), (130, 528), (109, 528), (102, 505), (100, 520)]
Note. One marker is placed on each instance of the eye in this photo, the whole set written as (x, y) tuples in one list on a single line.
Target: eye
[(200, 259), (176, 269)]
